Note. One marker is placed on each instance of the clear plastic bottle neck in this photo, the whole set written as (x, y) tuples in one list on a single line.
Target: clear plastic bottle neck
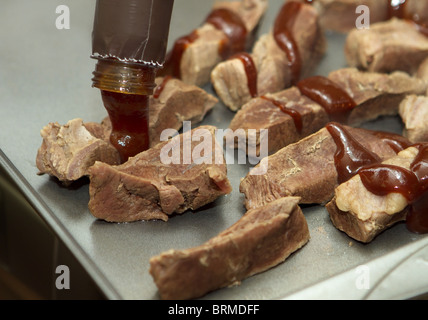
[(124, 77)]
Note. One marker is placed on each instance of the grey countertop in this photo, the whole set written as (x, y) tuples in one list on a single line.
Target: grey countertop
[(45, 76)]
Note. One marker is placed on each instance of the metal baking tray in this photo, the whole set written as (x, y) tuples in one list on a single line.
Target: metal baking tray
[(45, 76)]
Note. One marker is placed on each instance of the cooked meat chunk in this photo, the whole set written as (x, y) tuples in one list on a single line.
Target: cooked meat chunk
[(363, 215), (341, 15), (177, 102), (204, 50), (375, 94), (260, 240), (68, 151), (273, 70), (260, 113), (305, 169), (423, 71), (414, 112), (395, 45), (172, 177)]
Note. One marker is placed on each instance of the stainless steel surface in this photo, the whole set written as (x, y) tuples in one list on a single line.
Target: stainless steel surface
[(45, 77)]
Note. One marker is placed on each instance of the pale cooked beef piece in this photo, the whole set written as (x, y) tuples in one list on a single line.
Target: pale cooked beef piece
[(274, 73), (423, 71), (260, 114), (376, 94), (148, 186), (363, 215), (260, 240), (203, 54), (305, 169), (414, 112), (68, 151), (341, 15), (176, 103), (395, 45)]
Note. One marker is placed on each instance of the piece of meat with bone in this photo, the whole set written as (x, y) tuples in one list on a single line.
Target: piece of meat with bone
[(260, 240), (290, 51), (175, 102), (343, 15), (68, 151), (290, 115), (185, 172), (380, 196), (229, 28), (307, 169), (395, 45), (414, 112)]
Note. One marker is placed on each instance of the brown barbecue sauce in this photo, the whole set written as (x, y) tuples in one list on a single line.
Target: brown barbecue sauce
[(384, 179), (250, 71), (283, 35), (297, 117), (399, 10), (172, 65), (129, 118), (125, 89), (336, 102), (233, 27), (351, 155), (159, 89), (222, 19), (380, 179)]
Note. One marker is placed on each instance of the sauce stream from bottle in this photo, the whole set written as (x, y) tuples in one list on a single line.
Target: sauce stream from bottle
[(129, 118)]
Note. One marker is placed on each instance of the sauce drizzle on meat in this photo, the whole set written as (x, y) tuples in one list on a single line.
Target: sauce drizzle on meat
[(352, 158), (222, 19), (172, 63), (282, 32), (329, 95), (398, 10), (382, 179), (250, 71), (351, 155), (396, 142), (297, 117), (159, 89), (233, 27)]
